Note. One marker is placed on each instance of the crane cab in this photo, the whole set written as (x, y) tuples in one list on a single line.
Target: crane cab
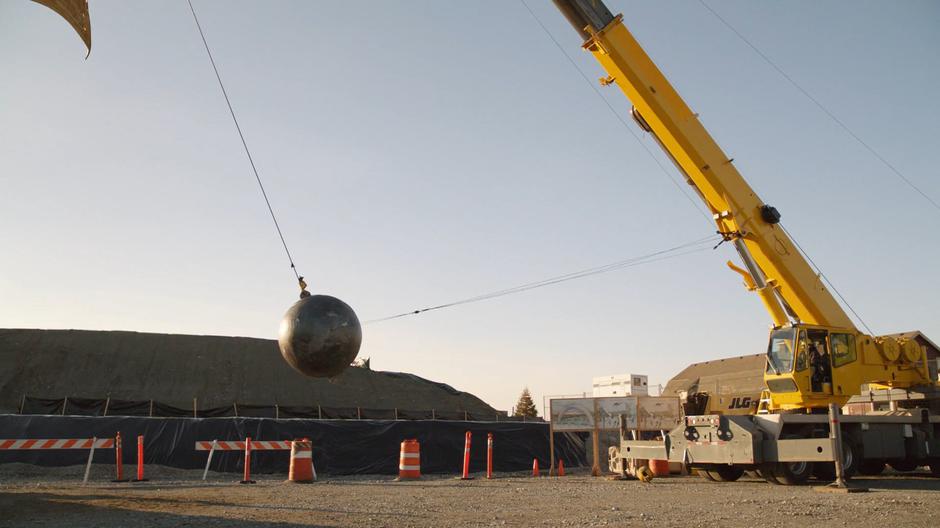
[(809, 367)]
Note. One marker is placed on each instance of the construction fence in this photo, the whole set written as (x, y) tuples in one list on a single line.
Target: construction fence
[(340, 447)]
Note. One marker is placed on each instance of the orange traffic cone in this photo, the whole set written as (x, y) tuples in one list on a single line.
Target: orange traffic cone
[(409, 463), (535, 467), (561, 468), (301, 461)]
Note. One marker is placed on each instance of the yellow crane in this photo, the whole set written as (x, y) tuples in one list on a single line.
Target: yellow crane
[(816, 355)]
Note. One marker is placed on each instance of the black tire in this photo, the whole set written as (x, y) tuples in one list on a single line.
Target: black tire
[(792, 473), (871, 467), (826, 471), (707, 475), (934, 464), (903, 465), (725, 473), (766, 472)]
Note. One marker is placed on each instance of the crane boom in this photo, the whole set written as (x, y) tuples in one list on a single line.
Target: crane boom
[(788, 286), (816, 355)]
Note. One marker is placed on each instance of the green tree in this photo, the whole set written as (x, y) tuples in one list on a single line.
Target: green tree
[(525, 406)]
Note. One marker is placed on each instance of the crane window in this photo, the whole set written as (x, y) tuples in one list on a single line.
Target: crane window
[(843, 349), (801, 357), (780, 351)]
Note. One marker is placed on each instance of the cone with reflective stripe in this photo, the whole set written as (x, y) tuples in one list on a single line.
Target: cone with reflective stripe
[(409, 465), (466, 457), (301, 461)]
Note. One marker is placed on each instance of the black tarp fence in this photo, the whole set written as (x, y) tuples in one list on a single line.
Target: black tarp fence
[(72, 406), (340, 447)]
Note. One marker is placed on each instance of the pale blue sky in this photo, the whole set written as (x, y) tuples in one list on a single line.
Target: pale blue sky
[(422, 152)]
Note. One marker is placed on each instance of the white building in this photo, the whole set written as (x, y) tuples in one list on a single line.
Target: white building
[(621, 385)]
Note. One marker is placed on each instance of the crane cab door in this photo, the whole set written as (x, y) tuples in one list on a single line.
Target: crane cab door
[(812, 369), (801, 369), (815, 344)]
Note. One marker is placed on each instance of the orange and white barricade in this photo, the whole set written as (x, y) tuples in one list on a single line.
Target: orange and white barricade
[(60, 443), (409, 463), (239, 445)]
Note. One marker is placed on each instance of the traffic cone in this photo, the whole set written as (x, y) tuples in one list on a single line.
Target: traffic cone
[(409, 462), (301, 461), (561, 468), (466, 457), (535, 467)]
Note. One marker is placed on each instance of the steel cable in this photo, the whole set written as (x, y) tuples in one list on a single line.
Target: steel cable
[(241, 136), (655, 256)]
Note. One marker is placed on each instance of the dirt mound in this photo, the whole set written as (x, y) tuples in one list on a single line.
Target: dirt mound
[(217, 371)]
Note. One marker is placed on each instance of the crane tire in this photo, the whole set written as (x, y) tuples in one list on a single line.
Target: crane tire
[(934, 464), (767, 472), (903, 465), (826, 471), (871, 467), (792, 473), (706, 474), (725, 473)]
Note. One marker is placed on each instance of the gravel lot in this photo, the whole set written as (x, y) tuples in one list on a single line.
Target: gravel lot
[(55, 497)]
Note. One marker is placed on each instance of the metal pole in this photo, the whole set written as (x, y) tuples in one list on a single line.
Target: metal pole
[(551, 447), (118, 458), (91, 454), (596, 466), (623, 462), (209, 461), (489, 455), (595, 443), (835, 435)]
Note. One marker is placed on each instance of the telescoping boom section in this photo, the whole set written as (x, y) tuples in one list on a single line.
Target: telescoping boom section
[(816, 355)]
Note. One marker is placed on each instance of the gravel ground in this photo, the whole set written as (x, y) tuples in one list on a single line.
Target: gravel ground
[(55, 497)]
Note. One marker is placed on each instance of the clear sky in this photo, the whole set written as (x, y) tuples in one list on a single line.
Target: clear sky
[(423, 152)]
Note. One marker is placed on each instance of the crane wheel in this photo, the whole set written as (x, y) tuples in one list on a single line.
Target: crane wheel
[(934, 464), (767, 472), (826, 471), (706, 474), (792, 473), (871, 467), (723, 473), (903, 465)]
